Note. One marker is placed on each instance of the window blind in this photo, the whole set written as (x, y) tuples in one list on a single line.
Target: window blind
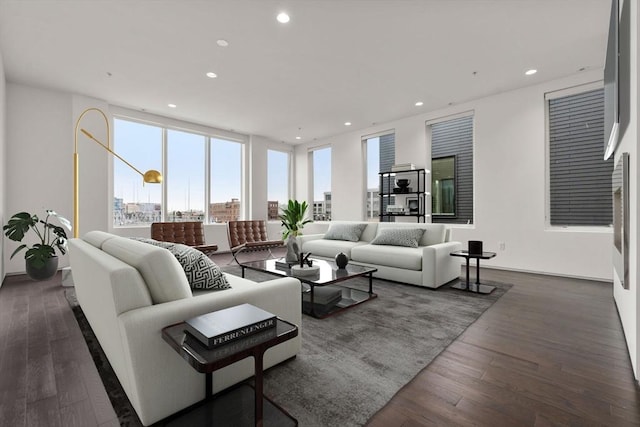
[(455, 138), (579, 180)]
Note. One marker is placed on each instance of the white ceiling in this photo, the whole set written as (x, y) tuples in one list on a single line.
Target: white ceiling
[(363, 61)]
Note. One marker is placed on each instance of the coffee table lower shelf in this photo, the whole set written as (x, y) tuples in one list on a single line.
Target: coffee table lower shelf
[(350, 297), (232, 407)]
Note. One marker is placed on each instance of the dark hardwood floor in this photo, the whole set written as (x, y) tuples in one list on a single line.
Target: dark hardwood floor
[(550, 352)]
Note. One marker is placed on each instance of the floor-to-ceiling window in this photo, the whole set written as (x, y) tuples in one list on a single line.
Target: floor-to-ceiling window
[(380, 156), (277, 182), (185, 176), (141, 145), (321, 164), (226, 181), (203, 180)]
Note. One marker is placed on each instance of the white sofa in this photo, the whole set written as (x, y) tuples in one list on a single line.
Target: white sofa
[(130, 290), (428, 265)]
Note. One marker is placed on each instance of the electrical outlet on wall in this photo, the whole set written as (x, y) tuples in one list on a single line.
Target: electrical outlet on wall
[(502, 246)]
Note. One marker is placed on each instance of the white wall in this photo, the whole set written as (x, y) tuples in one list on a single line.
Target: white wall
[(39, 157), (509, 182), (628, 300), (3, 165)]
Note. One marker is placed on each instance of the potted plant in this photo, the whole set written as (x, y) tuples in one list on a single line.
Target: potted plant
[(40, 259), (293, 221)]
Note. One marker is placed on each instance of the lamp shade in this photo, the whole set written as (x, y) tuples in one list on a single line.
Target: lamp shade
[(152, 177)]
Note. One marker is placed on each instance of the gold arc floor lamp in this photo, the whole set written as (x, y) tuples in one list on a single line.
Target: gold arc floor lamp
[(150, 176)]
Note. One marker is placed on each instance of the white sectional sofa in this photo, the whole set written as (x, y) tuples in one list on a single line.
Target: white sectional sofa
[(130, 290), (429, 264)]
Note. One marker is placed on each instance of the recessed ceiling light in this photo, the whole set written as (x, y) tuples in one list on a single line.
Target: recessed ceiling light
[(283, 18), (530, 72), (171, 105), (222, 43), (347, 123), (419, 104), (298, 137), (212, 75)]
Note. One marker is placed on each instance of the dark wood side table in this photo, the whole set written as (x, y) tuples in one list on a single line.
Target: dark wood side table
[(474, 287), (206, 361)]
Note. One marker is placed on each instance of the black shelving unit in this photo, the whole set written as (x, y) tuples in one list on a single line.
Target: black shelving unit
[(392, 194)]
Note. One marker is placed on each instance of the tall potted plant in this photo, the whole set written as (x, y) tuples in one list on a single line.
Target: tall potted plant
[(41, 260), (293, 221)]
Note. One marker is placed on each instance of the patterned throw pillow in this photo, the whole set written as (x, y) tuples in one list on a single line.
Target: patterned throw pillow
[(409, 237), (348, 232), (201, 272)]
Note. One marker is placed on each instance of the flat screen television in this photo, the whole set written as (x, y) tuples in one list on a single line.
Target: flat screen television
[(611, 84)]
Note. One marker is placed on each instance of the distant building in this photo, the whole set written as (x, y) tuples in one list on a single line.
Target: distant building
[(322, 209), (225, 211), (273, 210)]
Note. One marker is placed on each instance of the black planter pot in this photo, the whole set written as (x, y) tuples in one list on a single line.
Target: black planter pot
[(45, 272)]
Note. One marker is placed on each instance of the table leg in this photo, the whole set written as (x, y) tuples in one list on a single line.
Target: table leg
[(370, 283), (467, 273), (311, 299), (477, 271), (242, 267), (258, 391), (208, 386)]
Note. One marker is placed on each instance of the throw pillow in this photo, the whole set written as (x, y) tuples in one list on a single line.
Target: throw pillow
[(201, 272), (409, 237), (349, 232)]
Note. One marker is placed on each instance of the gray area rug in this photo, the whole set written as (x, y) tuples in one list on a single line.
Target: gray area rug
[(351, 364)]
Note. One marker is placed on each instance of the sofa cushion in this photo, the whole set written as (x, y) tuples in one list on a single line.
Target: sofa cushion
[(390, 256), (329, 248), (201, 272), (434, 233), (345, 231), (160, 270), (409, 237)]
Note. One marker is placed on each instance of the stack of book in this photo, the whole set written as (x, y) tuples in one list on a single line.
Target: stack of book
[(222, 327)]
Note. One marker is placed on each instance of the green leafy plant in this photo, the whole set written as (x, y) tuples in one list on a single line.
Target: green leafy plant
[(292, 218), (51, 236)]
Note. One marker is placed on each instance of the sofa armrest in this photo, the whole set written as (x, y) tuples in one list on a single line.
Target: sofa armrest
[(161, 383), (438, 267)]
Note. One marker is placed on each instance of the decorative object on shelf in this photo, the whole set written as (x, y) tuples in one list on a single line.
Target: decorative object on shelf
[(151, 176), (396, 209), (342, 260), (475, 247), (402, 167), (402, 185), (292, 219), (41, 260), (413, 206)]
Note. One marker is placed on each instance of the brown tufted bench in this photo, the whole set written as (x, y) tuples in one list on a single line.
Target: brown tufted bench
[(249, 236), (186, 233)]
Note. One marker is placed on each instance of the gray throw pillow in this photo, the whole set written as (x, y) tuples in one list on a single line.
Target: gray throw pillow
[(409, 237), (348, 232), (201, 272)]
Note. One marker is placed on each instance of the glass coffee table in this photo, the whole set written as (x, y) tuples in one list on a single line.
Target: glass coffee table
[(320, 295)]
